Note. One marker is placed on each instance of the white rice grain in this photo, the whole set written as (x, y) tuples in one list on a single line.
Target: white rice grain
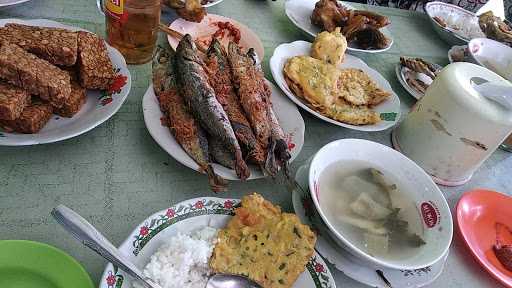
[(183, 261)]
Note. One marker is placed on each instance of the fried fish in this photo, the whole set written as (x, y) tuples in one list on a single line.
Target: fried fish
[(201, 99), (182, 124)]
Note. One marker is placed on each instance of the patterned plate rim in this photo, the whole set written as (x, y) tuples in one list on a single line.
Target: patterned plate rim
[(113, 278)]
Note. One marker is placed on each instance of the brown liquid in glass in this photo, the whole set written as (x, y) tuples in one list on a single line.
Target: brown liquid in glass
[(135, 34)]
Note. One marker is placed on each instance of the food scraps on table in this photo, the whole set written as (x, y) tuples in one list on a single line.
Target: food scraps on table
[(261, 242), (359, 27), (47, 70)]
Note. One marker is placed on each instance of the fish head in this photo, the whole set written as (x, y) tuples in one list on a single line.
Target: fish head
[(187, 48), (215, 48)]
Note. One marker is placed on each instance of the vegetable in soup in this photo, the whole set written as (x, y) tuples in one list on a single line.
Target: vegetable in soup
[(371, 210)]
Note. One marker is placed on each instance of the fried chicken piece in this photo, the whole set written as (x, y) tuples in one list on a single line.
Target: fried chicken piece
[(329, 14), (495, 28), (193, 11)]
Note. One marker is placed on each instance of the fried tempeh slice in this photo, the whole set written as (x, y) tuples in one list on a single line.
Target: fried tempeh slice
[(12, 101), (270, 247), (35, 75), (95, 66), (76, 99), (32, 119), (55, 45)]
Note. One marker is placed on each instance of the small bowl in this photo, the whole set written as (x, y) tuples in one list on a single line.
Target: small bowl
[(429, 201), (466, 21), (492, 55), (202, 31)]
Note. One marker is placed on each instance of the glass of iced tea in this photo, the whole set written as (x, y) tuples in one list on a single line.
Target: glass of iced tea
[(132, 27), (507, 144)]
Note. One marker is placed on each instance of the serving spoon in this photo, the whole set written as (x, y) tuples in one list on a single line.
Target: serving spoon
[(89, 236)]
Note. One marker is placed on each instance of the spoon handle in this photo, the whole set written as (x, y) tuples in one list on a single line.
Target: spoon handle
[(92, 238)]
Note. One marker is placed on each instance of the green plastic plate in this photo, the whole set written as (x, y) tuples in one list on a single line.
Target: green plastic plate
[(27, 264)]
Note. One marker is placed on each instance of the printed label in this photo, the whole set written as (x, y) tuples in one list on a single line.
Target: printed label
[(430, 214), (115, 8)]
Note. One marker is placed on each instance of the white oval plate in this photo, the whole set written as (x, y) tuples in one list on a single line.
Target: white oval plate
[(390, 108), (204, 31), (400, 74), (289, 117), (345, 262), (99, 107), (5, 3), (299, 12), (184, 218)]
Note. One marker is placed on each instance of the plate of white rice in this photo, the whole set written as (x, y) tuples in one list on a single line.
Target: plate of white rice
[(173, 247)]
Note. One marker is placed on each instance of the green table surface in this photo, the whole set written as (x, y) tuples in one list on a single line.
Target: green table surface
[(116, 175)]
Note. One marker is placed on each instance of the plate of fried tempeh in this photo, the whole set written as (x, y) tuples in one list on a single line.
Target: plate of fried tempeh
[(217, 114), (56, 81)]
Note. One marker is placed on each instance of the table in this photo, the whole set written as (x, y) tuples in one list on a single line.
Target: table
[(116, 175)]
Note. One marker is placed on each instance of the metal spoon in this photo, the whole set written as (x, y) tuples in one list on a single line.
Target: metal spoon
[(84, 232)]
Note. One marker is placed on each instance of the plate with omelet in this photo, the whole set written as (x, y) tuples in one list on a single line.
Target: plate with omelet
[(186, 243), (334, 86)]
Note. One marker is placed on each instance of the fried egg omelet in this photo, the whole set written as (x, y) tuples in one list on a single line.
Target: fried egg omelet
[(268, 246), (340, 94)]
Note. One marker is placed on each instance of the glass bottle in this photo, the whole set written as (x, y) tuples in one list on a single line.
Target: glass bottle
[(132, 27)]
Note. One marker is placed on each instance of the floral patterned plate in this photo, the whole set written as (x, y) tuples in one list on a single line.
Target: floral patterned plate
[(100, 106), (186, 217), (345, 262), (288, 115)]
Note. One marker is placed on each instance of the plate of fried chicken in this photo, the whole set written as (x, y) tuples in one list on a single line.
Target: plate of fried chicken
[(218, 115), (365, 30)]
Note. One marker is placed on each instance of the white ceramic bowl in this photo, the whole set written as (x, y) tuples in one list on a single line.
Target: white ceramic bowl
[(430, 202), (492, 55), (455, 16)]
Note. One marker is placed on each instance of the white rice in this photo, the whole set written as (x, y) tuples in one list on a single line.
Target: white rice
[(183, 261)]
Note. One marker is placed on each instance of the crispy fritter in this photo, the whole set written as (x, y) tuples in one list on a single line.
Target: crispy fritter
[(329, 47), (270, 247), (357, 88), (318, 83)]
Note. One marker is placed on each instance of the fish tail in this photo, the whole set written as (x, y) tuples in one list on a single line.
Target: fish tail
[(240, 166), (217, 183)]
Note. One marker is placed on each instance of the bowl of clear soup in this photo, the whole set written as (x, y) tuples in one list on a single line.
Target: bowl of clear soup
[(379, 205)]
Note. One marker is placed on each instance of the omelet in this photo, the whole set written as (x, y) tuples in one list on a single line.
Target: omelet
[(357, 88), (329, 47), (319, 84), (270, 247)]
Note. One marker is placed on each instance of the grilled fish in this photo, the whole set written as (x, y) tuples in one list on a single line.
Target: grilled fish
[(180, 122), (247, 80), (202, 102), (277, 152), (220, 154), (219, 71)]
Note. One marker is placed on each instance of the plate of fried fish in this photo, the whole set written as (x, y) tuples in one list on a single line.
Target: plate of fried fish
[(56, 81), (416, 74), (365, 31), (184, 245), (220, 116), (346, 92)]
